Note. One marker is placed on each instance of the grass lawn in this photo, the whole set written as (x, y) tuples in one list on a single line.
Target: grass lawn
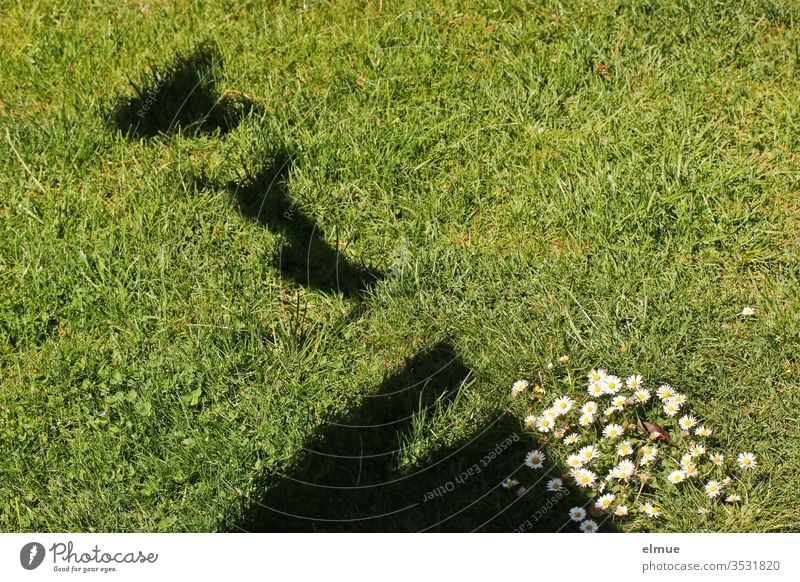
[(271, 266)]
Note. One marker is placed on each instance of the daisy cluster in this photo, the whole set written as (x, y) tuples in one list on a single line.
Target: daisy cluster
[(626, 444)]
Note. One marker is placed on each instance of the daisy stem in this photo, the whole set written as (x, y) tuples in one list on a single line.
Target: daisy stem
[(639, 493)]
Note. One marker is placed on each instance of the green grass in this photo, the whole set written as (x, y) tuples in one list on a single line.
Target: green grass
[(157, 371)]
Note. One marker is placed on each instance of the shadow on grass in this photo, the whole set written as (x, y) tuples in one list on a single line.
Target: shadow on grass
[(181, 96), (303, 255), (347, 479)]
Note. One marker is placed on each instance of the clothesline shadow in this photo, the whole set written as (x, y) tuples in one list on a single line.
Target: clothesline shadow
[(303, 255), (365, 470), (180, 96), (348, 477)]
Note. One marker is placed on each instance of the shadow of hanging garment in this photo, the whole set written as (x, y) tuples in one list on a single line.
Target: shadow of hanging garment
[(348, 477), (303, 255), (345, 474), (181, 96)]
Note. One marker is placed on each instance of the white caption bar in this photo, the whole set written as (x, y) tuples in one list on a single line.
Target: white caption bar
[(401, 557)]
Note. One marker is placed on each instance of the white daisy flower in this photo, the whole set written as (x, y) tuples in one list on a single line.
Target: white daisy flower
[(577, 514), (550, 413), (518, 388), (595, 389), (586, 420), (687, 421), (733, 498), (563, 359), (717, 458), (535, 459), (588, 453), (530, 422), (634, 382), (676, 477), (555, 485), (697, 451), (611, 410), (613, 431), (650, 510), (604, 501), (539, 390), (572, 438), (691, 471), (703, 431), (703, 511), (589, 408), (621, 510), (544, 424), (597, 375), (611, 384), (624, 449), (649, 450), (619, 402), (747, 460), (647, 460), (623, 471), (748, 311), (584, 477), (588, 526), (686, 461), (575, 461), (665, 392), (713, 488), (641, 395), (678, 399), (509, 483), (671, 409), (562, 405)]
